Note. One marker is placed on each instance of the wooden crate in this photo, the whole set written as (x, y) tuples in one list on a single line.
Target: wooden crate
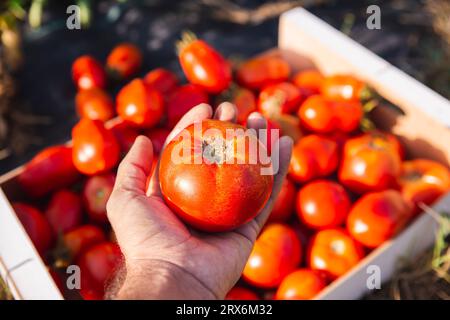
[(305, 41)]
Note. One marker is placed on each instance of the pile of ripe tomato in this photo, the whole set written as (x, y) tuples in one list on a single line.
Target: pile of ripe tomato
[(346, 193)]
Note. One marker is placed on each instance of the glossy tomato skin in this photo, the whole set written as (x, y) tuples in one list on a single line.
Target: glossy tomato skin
[(124, 60), (35, 224), (193, 185), (64, 211), (334, 252), (95, 148), (158, 136), (313, 157), (97, 265), (183, 99), (245, 102), (241, 293), (82, 238), (283, 97), (205, 67), (377, 217), (323, 204), (88, 73), (94, 104), (262, 71), (125, 135), (139, 104), (302, 284), (423, 181), (369, 163), (285, 203), (96, 192), (276, 253), (308, 81), (342, 88), (49, 170), (161, 79)]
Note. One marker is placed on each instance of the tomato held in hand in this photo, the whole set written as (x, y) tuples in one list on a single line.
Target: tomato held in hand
[(334, 252), (95, 148), (139, 104), (342, 88), (203, 65), (285, 203), (158, 136), (313, 157), (370, 162), (308, 81), (82, 238), (49, 170), (64, 211), (377, 217), (163, 80), (262, 71), (94, 104), (194, 183), (124, 60), (279, 98), (96, 193), (125, 135), (276, 253), (183, 99), (423, 181), (302, 284), (245, 102), (323, 204), (241, 293), (35, 224), (98, 264), (88, 73)]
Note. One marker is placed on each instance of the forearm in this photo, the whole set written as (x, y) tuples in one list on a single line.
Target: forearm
[(161, 280)]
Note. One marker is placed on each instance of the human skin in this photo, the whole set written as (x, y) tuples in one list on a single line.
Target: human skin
[(164, 258)]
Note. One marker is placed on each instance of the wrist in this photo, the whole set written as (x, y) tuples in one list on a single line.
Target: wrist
[(157, 279)]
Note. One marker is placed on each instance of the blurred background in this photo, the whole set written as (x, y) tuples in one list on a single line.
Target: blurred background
[(37, 50)]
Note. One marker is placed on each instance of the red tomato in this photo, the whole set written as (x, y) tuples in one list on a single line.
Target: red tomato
[(94, 104), (302, 284), (64, 211), (82, 238), (183, 99), (163, 80), (334, 252), (342, 88), (88, 294), (158, 136), (369, 163), (308, 81), (276, 253), (289, 125), (49, 170), (240, 293), (124, 60), (139, 104), (35, 225), (195, 190), (423, 181), (125, 135), (283, 97), (95, 148), (313, 157), (285, 203), (88, 73), (98, 264), (203, 65), (262, 71), (323, 204), (96, 193), (377, 217), (245, 102)]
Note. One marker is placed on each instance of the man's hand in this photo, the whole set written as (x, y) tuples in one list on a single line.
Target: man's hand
[(164, 258)]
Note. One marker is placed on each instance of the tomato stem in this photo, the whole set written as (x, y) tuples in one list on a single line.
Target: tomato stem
[(187, 37)]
